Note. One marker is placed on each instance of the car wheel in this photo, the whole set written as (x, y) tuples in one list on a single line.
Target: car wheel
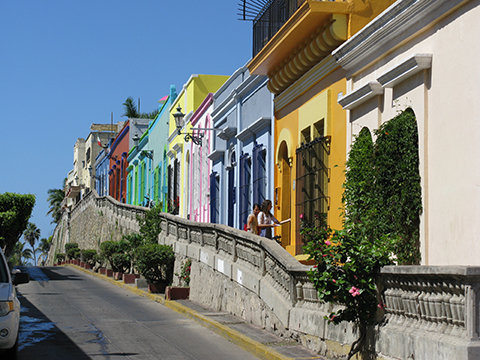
[(11, 354)]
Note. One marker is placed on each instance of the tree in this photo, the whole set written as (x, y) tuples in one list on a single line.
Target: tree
[(131, 111), (55, 199), (31, 235), (130, 108), (44, 247), (15, 211), (20, 254)]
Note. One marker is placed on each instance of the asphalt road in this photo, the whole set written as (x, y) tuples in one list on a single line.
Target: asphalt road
[(69, 315)]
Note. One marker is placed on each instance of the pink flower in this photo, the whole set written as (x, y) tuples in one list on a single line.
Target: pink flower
[(324, 255), (332, 317), (381, 306), (335, 281), (354, 291), (328, 242), (314, 266), (302, 216)]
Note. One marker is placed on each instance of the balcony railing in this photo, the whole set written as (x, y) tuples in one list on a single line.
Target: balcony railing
[(270, 20)]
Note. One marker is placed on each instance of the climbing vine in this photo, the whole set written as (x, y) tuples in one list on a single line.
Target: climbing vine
[(382, 199)]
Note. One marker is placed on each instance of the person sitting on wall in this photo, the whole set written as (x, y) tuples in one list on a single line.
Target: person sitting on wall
[(252, 223)]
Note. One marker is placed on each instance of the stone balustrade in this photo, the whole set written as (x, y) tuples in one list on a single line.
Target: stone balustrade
[(430, 312)]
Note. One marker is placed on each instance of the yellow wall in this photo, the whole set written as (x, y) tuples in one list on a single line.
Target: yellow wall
[(318, 103), (189, 99)]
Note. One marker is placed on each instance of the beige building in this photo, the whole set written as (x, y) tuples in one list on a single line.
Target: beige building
[(424, 55)]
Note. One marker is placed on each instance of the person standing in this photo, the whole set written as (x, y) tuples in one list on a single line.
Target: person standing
[(252, 223), (266, 221)]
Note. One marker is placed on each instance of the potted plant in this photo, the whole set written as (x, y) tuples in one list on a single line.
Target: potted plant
[(116, 253), (155, 263), (73, 252), (181, 292), (88, 256), (59, 258)]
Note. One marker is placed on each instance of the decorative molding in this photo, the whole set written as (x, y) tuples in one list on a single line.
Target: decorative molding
[(359, 96), (216, 155), (382, 31), (227, 132), (172, 154), (329, 37), (254, 128), (306, 82), (178, 147), (406, 69)]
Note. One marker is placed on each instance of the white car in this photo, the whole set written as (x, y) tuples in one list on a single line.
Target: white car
[(9, 309)]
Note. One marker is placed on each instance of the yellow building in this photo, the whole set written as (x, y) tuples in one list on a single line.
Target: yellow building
[(188, 100), (310, 126)]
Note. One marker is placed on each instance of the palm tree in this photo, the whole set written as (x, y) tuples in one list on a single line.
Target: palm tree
[(55, 199), (44, 247), (20, 254), (130, 109), (31, 235)]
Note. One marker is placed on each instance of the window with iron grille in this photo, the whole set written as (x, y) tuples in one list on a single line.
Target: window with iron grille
[(311, 183), (259, 173), (244, 195), (214, 200)]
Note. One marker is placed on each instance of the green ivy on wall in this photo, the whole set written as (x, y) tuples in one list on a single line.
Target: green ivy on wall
[(382, 198)]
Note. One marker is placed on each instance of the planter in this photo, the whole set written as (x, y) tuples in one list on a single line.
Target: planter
[(157, 288), (117, 275), (87, 267), (176, 293), (109, 273), (130, 278), (82, 264), (102, 271)]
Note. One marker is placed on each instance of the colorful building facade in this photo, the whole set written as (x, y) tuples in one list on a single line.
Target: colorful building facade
[(310, 127), (242, 156), (179, 152)]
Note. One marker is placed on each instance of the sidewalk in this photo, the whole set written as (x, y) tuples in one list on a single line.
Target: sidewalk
[(257, 341)]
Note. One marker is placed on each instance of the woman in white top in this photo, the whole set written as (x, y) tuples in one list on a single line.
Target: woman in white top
[(266, 221)]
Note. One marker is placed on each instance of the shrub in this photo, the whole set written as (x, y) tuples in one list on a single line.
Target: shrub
[(121, 262), (72, 250), (60, 257), (110, 248), (155, 262), (88, 256), (150, 224)]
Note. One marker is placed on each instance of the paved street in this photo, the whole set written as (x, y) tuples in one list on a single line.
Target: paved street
[(70, 315)]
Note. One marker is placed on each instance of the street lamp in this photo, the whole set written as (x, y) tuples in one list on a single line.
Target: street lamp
[(197, 140)]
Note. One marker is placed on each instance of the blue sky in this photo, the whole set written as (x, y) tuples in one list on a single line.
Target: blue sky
[(66, 64)]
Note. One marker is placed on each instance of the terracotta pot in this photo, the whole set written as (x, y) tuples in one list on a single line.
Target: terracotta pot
[(87, 267), (130, 278), (157, 288), (102, 271), (109, 273), (176, 293), (82, 264)]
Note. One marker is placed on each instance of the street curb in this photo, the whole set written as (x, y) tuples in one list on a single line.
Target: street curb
[(258, 349)]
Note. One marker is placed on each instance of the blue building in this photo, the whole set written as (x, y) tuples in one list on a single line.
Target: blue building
[(242, 171)]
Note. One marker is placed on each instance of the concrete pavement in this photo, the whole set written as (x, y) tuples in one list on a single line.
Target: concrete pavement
[(255, 340)]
